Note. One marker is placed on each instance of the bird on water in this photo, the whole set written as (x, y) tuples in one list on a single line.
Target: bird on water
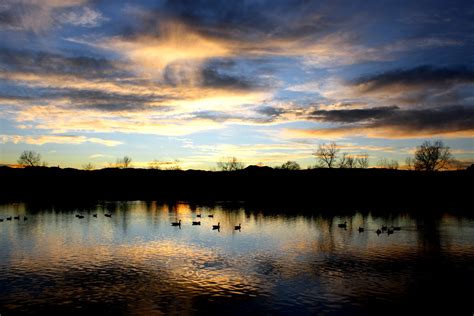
[(343, 225)]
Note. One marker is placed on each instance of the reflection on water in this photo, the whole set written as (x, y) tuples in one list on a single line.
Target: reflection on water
[(135, 262)]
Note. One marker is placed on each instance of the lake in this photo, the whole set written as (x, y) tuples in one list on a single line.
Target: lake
[(280, 262)]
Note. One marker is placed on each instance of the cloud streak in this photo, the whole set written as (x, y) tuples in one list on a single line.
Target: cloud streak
[(57, 139), (393, 123)]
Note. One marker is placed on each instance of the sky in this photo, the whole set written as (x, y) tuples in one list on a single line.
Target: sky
[(264, 81)]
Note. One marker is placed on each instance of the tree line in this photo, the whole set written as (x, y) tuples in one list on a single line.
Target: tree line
[(429, 156)]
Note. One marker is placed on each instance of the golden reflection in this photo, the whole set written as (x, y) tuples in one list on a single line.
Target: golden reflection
[(199, 260)]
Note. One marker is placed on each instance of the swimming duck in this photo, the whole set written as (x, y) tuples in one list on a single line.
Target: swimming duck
[(343, 225), (178, 223)]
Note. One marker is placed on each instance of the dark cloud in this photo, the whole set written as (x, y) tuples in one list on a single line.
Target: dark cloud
[(353, 115), (8, 19), (250, 19), (213, 75), (92, 99), (246, 20), (448, 118), (426, 76), (270, 111), (48, 63), (110, 102), (218, 116), (442, 119)]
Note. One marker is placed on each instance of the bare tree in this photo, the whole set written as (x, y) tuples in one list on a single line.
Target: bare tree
[(125, 162), (30, 158), (409, 163), (327, 154), (432, 156), (290, 165), (155, 164), (230, 164), (174, 165), (88, 166), (362, 161), (347, 161), (388, 164)]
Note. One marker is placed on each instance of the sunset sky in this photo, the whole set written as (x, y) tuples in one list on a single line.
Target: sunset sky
[(264, 81)]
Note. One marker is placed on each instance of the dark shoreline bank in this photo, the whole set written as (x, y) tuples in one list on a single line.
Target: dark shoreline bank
[(255, 185)]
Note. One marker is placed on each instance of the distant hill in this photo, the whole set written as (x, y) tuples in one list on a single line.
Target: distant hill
[(256, 184)]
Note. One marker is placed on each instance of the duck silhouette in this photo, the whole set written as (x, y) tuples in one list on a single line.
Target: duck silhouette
[(343, 225), (178, 223)]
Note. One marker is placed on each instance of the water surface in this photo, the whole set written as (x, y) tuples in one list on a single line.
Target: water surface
[(280, 262)]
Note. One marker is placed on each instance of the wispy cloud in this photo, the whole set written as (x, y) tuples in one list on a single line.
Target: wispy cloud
[(85, 17), (57, 139)]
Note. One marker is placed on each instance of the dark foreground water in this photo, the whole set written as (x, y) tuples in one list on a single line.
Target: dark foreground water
[(135, 262)]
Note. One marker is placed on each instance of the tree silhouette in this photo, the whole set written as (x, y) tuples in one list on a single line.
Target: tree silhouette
[(388, 164), (410, 163), (88, 166), (327, 154), (347, 161), (29, 158), (363, 161), (155, 164), (432, 156), (230, 164), (125, 162), (290, 165)]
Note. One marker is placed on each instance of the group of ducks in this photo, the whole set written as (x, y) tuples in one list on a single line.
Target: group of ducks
[(14, 217), (94, 215), (214, 227), (385, 228)]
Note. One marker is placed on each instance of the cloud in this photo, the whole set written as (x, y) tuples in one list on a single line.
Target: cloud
[(95, 156), (85, 17), (392, 122), (213, 77), (420, 86), (40, 62), (57, 139), (416, 77), (31, 15), (176, 43), (354, 115)]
